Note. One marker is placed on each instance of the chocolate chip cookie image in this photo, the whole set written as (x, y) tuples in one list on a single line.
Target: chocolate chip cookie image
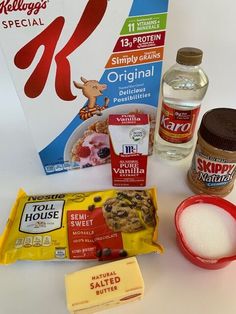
[(129, 211)]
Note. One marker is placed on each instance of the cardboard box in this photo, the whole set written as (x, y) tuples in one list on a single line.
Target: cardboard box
[(129, 141), (74, 63)]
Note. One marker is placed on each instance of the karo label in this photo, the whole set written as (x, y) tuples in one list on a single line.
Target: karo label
[(177, 126), (41, 217)]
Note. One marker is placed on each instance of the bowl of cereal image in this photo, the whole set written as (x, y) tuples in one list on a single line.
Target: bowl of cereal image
[(89, 145)]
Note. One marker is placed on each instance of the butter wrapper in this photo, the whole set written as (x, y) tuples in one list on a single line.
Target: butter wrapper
[(104, 286)]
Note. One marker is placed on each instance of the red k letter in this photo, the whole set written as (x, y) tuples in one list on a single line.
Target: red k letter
[(25, 56), (90, 19)]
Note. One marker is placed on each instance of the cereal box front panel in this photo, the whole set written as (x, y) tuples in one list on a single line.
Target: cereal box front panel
[(74, 63)]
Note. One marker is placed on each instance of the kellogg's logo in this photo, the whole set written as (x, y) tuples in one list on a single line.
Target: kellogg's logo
[(7, 6)]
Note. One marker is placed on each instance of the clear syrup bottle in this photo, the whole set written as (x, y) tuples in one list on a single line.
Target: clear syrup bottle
[(184, 86)]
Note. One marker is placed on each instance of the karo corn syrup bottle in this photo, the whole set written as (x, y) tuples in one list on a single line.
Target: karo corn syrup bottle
[(184, 86)]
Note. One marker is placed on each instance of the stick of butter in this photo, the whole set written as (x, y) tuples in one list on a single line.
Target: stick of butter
[(104, 286)]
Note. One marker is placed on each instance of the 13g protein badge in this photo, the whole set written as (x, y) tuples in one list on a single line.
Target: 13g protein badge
[(103, 225)]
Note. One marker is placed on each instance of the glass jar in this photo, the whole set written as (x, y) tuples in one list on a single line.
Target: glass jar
[(213, 168)]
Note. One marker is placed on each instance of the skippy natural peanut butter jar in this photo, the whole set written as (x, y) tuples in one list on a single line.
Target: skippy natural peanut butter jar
[(213, 166)]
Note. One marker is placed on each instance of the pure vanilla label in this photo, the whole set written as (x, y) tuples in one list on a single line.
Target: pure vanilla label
[(129, 138)]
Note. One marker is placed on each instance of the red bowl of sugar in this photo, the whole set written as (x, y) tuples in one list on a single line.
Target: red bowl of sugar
[(206, 230)]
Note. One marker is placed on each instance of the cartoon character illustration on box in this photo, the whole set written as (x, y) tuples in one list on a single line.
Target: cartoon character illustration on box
[(91, 89)]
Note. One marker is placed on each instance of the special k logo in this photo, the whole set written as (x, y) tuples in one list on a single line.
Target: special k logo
[(8, 6), (49, 38)]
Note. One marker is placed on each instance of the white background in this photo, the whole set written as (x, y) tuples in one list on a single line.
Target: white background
[(173, 285)]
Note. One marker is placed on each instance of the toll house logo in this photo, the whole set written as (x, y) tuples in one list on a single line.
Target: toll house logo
[(41, 217), (8, 6)]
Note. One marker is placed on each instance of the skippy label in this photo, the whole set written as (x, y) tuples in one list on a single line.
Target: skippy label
[(129, 140), (213, 172), (177, 126), (74, 63)]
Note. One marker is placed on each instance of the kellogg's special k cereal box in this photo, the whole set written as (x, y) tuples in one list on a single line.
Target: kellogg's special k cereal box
[(76, 62)]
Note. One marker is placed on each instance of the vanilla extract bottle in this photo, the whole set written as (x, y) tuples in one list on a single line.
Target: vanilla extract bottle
[(184, 86)]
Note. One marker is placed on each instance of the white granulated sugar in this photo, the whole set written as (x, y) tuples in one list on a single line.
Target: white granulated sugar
[(208, 230)]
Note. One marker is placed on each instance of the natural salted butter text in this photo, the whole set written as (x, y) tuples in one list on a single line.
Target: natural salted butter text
[(104, 286), (208, 230)]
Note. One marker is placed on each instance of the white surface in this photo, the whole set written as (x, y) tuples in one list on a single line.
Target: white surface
[(173, 285)]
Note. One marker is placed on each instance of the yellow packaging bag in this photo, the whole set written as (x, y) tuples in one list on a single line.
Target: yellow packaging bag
[(101, 225)]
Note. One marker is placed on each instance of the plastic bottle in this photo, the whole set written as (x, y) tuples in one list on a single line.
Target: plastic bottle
[(184, 86)]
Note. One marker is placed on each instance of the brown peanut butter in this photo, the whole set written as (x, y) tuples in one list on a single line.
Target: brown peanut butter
[(213, 169)]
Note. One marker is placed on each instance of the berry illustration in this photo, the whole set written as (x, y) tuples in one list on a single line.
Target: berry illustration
[(84, 151), (103, 152)]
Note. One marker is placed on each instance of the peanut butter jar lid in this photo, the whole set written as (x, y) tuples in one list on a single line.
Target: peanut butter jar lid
[(218, 128)]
